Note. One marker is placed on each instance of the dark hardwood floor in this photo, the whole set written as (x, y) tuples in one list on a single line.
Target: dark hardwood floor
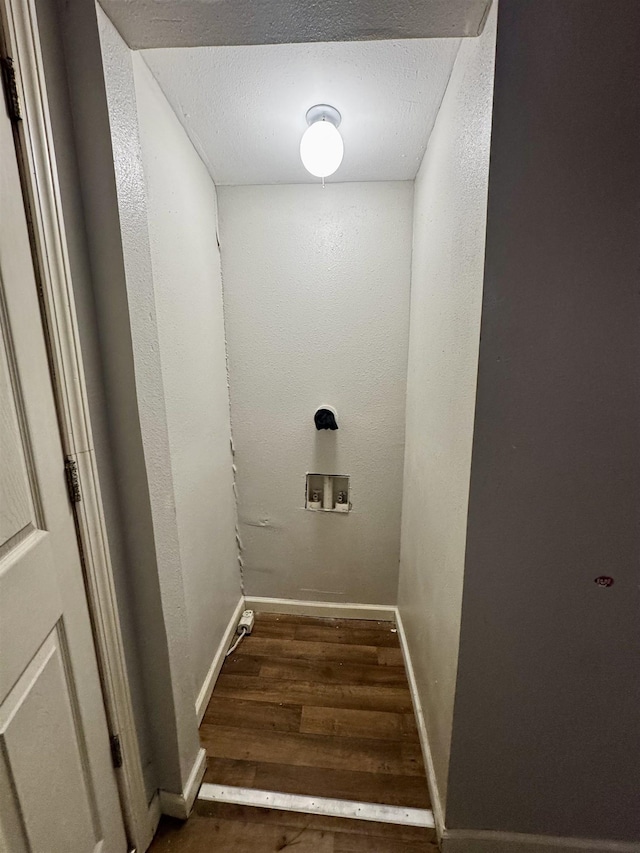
[(239, 829), (318, 707)]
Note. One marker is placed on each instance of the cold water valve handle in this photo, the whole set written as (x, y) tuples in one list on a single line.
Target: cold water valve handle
[(325, 418)]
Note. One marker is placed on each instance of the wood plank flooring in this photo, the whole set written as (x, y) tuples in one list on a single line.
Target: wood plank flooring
[(238, 829), (318, 707)]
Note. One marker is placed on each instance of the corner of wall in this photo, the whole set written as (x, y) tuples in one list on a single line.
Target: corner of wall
[(105, 119), (182, 220), (450, 198)]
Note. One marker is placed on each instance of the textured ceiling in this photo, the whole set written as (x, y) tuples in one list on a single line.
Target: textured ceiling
[(191, 23), (244, 107)]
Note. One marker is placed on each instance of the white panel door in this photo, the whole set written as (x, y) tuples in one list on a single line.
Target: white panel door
[(58, 789)]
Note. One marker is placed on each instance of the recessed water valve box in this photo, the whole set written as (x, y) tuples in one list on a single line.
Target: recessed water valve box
[(327, 493)]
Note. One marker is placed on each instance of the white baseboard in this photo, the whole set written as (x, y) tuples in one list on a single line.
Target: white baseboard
[(481, 841), (477, 841), (216, 665), (436, 802), (180, 805), (326, 609), (155, 812)]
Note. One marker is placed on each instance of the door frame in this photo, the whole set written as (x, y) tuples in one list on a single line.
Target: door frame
[(39, 176)]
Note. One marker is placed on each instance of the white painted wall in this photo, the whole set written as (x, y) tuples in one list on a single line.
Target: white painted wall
[(446, 298), (316, 287), (159, 284), (187, 283)]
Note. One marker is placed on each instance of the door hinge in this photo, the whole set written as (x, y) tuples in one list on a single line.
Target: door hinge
[(116, 751), (73, 481), (10, 88)]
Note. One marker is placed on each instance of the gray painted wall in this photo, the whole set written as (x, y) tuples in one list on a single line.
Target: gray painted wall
[(95, 376), (450, 201), (316, 289), (188, 23), (547, 716), (129, 512), (168, 730)]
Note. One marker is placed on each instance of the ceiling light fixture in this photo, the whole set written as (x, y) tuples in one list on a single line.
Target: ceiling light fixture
[(321, 146)]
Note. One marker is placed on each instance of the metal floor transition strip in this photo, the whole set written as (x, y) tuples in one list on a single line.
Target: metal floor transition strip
[(316, 805)]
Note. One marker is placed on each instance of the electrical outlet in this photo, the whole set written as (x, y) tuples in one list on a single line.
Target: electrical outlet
[(246, 621)]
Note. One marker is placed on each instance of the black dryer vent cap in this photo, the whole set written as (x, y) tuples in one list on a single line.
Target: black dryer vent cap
[(325, 419)]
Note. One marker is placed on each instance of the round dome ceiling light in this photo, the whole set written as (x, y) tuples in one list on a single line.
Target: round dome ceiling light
[(321, 146)]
